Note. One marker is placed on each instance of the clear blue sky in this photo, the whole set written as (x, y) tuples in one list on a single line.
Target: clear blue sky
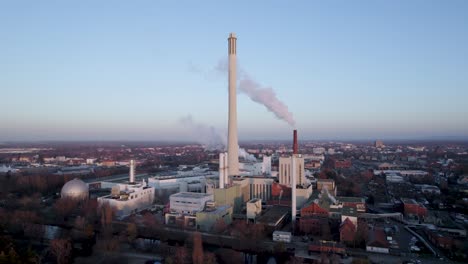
[(125, 69)]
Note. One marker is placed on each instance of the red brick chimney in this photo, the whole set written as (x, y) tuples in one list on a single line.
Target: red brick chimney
[(295, 147)]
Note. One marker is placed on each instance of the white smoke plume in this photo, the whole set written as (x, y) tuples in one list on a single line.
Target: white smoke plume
[(265, 96), (210, 137), (246, 156)]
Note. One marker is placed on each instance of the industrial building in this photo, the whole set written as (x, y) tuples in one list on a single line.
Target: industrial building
[(197, 211), (208, 218), (188, 202), (254, 209), (128, 198), (181, 181), (75, 189)]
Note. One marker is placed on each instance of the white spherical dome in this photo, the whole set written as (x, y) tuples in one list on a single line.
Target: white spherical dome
[(75, 189)]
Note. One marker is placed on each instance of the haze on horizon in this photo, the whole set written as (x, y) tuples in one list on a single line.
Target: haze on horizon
[(115, 70)]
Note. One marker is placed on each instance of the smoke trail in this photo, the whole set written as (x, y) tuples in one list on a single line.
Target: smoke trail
[(265, 96), (208, 136), (246, 156)]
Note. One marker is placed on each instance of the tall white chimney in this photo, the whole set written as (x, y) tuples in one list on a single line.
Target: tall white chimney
[(132, 171), (233, 146), (293, 188), (223, 169)]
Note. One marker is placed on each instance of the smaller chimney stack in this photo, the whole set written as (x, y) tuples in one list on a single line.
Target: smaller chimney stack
[(132, 171), (295, 147)]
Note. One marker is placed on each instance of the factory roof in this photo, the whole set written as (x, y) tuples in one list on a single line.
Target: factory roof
[(191, 195), (274, 215), (348, 211), (350, 199), (408, 201), (254, 200), (216, 210)]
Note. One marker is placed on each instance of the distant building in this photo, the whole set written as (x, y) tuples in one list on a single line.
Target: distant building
[(108, 163), (358, 203), (275, 217), (312, 224), (126, 199), (379, 144), (349, 213), (347, 231), (411, 207), (425, 188), (377, 241), (281, 236), (318, 150), (313, 209), (341, 163), (329, 184), (207, 219), (188, 202)]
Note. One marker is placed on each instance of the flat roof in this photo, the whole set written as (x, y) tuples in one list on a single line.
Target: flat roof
[(191, 195), (348, 211), (350, 199), (217, 210), (274, 215), (408, 201)]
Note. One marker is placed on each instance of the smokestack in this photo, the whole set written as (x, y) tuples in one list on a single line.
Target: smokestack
[(132, 171), (223, 170), (293, 188), (295, 146), (233, 146)]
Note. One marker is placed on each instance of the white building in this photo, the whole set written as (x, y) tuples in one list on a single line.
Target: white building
[(285, 171), (319, 150), (181, 181), (189, 203), (254, 208), (281, 236), (260, 187), (266, 165), (126, 199)]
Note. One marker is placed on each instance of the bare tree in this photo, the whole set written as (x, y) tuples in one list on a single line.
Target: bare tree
[(107, 214), (209, 258), (62, 250), (181, 255), (64, 206), (197, 253), (132, 232), (220, 226)]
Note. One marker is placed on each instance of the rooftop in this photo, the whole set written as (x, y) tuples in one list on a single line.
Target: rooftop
[(274, 215), (350, 199), (191, 195), (349, 211), (254, 200), (216, 210), (408, 201)]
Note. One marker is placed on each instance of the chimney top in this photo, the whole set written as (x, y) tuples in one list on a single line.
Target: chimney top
[(295, 146)]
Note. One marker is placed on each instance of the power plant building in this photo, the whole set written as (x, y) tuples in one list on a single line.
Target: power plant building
[(128, 198)]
